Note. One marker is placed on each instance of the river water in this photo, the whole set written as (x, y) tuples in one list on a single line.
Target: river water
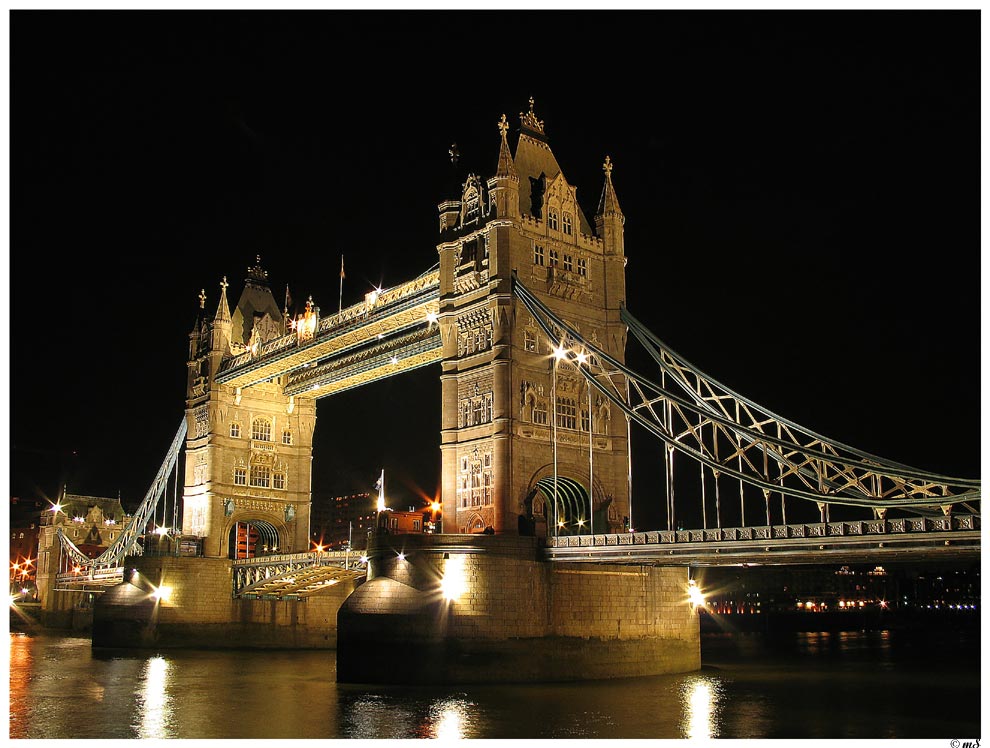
[(820, 685)]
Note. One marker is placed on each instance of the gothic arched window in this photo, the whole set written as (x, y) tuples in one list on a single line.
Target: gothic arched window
[(261, 430)]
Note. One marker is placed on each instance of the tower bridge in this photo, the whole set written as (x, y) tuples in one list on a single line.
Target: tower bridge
[(526, 314)]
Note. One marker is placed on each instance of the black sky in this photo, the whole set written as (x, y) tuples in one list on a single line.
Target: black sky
[(801, 191)]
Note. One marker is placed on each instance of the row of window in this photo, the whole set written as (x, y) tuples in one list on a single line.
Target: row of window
[(540, 258), (567, 414), (261, 476), (261, 431), (566, 221)]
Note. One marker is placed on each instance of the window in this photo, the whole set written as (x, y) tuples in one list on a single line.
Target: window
[(582, 267), (554, 258), (278, 481), (552, 219), (568, 263), (530, 342), (567, 223), (261, 476), (416, 526), (538, 254), (585, 419), (479, 411), (540, 413), (566, 413), (240, 476), (286, 437), (235, 430), (261, 430)]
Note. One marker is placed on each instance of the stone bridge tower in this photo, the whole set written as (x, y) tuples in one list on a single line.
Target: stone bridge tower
[(248, 454), (499, 388)]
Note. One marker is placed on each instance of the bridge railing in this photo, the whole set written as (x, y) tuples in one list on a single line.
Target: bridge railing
[(898, 526)]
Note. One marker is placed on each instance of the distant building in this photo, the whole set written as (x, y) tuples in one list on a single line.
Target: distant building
[(336, 519), (92, 523), (25, 519)]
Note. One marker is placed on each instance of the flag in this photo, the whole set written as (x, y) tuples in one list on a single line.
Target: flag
[(288, 298), (342, 276)]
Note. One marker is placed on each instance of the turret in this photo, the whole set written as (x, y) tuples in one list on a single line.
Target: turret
[(504, 186), (609, 219)]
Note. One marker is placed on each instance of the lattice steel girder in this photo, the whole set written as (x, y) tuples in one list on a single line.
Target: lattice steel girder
[(752, 438), (302, 582), (394, 310)]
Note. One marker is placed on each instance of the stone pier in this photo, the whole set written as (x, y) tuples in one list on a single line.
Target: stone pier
[(484, 608), (201, 611)]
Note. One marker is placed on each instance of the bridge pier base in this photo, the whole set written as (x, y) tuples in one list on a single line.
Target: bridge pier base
[(483, 608)]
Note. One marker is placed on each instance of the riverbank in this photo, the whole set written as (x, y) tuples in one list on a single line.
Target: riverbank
[(855, 620)]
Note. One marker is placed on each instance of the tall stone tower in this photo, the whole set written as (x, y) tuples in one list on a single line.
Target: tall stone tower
[(248, 454), (504, 458)]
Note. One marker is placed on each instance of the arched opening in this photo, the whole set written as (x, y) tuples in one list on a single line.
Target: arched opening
[(573, 515), (250, 538)]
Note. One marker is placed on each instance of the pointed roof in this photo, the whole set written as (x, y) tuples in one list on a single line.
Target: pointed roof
[(506, 166), (535, 159), (256, 301), (609, 203), (223, 311)]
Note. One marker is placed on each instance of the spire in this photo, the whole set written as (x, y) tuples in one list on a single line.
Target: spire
[(257, 275), (223, 310), (609, 204), (504, 186), (609, 219), (506, 167)]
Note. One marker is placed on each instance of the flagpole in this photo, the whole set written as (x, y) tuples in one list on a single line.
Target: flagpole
[(340, 302)]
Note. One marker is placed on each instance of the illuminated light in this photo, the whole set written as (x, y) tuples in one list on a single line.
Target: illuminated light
[(842, 603), (581, 358), (559, 353), (76, 569), (13, 599), (161, 531), (695, 595), (56, 508), (319, 549), (363, 559), (431, 317), (809, 605), (109, 521), (402, 556), (381, 335), (560, 524), (162, 593), (24, 590), (435, 506), (454, 582), (861, 603), (580, 523), (395, 359)]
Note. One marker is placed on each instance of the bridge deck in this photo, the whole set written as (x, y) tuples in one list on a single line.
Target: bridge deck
[(826, 542)]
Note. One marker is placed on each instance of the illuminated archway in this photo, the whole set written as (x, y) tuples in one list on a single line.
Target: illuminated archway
[(252, 537), (573, 515)]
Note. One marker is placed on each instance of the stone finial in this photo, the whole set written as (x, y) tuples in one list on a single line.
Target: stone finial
[(454, 153), (607, 167), (202, 298), (503, 125), (223, 285), (529, 120)]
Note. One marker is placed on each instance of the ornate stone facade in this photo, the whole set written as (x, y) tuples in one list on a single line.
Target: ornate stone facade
[(500, 391)]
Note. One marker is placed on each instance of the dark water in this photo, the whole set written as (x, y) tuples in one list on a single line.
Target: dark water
[(885, 684)]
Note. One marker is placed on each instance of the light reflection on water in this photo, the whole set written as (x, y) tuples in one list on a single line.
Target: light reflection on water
[(153, 703), (874, 685)]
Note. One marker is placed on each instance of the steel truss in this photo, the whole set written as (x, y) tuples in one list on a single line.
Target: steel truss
[(695, 415)]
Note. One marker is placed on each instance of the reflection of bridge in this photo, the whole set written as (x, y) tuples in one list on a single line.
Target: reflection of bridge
[(526, 314)]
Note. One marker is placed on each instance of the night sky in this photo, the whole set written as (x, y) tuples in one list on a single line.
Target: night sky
[(801, 191)]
